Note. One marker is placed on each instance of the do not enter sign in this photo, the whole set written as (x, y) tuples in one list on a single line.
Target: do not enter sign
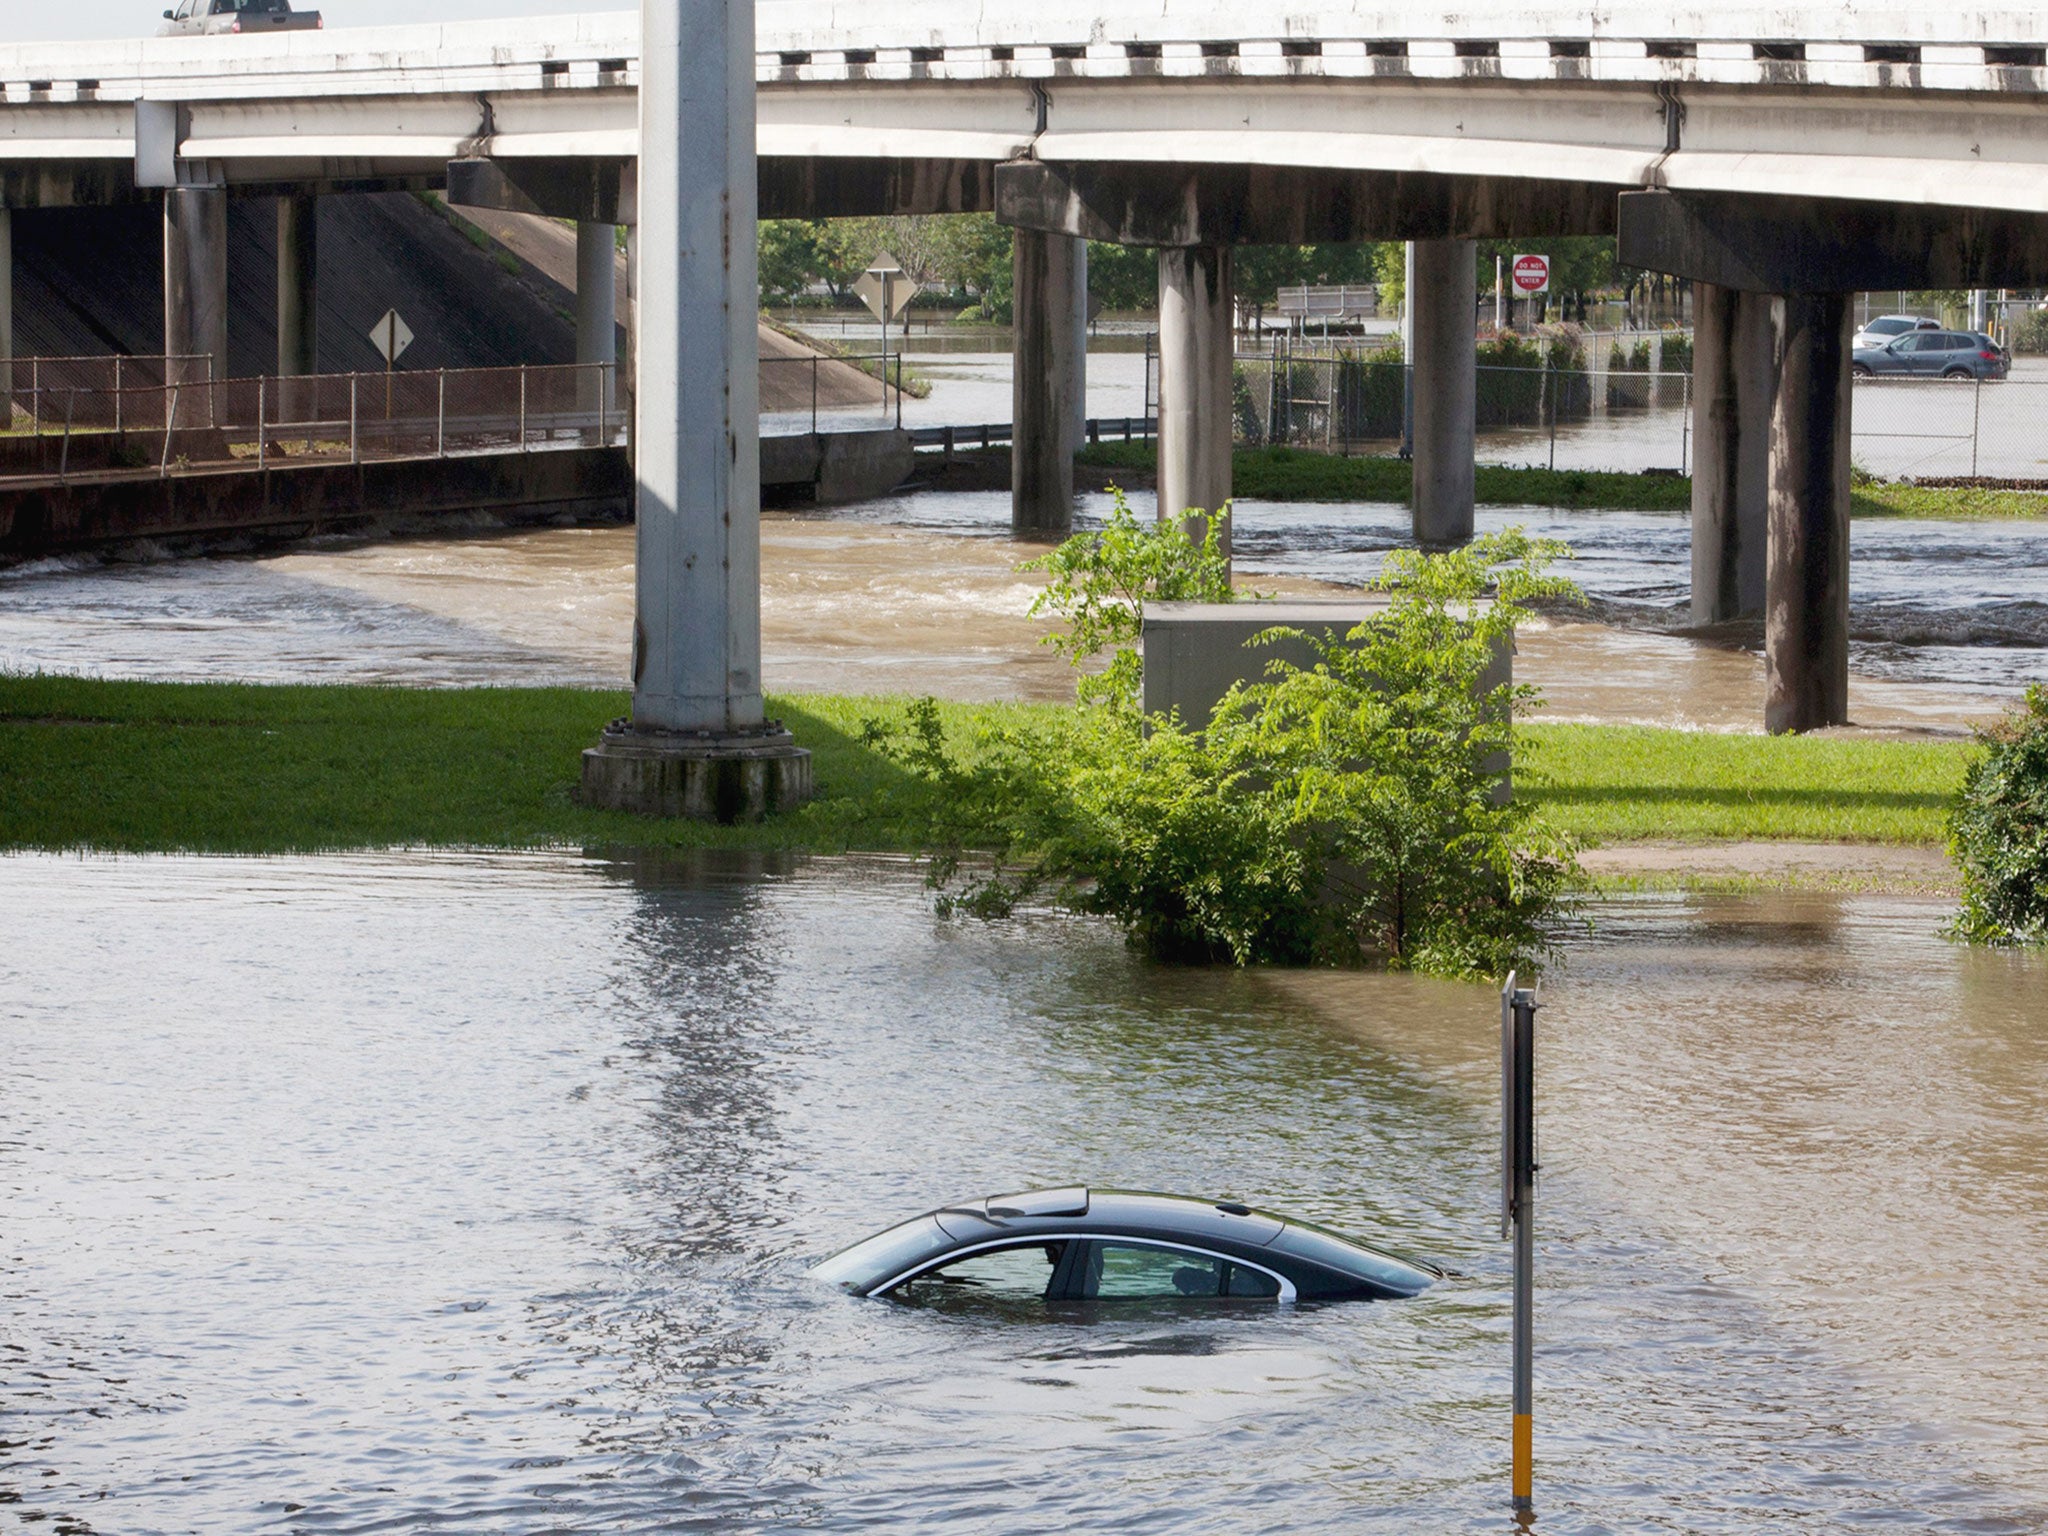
[(1532, 274)]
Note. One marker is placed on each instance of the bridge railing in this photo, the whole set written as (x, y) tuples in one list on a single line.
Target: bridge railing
[(92, 428)]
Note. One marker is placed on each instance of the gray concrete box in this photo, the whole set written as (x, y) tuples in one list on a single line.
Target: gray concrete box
[(1194, 652)]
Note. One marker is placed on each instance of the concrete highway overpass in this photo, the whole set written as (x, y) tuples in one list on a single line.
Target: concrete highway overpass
[(1780, 157)]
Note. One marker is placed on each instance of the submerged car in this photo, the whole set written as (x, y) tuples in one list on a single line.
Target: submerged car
[(1933, 355), (1112, 1244)]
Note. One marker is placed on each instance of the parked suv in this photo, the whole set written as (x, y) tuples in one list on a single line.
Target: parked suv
[(201, 18), (1875, 333), (1934, 355)]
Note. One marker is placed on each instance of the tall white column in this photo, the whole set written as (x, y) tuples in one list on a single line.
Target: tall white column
[(697, 743), (1045, 382), (1442, 298), (697, 652), (196, 276), (1195, 343), (597, 302)]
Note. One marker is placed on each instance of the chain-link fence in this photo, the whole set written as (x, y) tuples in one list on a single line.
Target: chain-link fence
[(187, 424), (1622, 401)]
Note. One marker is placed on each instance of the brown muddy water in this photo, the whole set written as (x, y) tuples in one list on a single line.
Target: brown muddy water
[(921, 594), (476, 1192)]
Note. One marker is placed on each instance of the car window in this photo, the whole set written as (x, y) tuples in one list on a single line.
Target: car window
[(1130, 1271), (1015, 1274), (1919, 341), (1889, 327)]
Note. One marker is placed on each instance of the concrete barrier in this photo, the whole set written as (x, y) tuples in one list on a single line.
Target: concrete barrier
[(1195, 652)]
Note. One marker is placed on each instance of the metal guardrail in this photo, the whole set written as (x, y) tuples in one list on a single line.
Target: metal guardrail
[(953, 439), (184, 425)]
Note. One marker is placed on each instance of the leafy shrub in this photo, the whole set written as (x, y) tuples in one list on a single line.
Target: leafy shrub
[(1099, 583), (1998, 831), (1336, 813)]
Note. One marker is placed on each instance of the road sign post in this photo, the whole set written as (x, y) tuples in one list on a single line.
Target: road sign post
[(1518, 1215), (1531, 275), (390, 336), (887, 292)]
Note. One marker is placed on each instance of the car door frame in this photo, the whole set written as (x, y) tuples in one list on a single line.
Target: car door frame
[(1061, 1286), (1065, 1281)]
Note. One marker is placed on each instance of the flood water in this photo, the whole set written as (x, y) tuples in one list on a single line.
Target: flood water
[(475, 1193), (921, 594)]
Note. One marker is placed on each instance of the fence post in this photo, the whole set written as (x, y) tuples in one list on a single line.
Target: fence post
[(262, 448), (604, 389), (117, 395), (1550, 389), (441, 415), (354, 452), (815, 360), (64, 453), (35, 396), (1976, 418), (522, 407)]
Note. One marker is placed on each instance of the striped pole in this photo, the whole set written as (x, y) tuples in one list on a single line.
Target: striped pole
[(1518, 1216)]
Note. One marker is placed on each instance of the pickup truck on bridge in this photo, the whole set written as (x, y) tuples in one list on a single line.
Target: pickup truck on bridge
[(200, 18)]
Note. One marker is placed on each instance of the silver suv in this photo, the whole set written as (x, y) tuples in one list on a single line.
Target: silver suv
[(202, 18)]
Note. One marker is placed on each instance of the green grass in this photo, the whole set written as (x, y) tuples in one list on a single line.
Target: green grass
[(1618, 784), (1297, 474), (238, 768)]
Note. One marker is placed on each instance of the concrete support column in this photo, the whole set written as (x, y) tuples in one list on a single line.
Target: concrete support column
[(1806, 615), (698, 743), (1442, 299), (597, 304), (1046, 382), (6, 316), (196, 275), (298, 279), (1195, 344), (1735, 373), (1080, 342)]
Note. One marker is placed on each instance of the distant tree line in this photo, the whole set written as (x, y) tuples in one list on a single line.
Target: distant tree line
[(963, 261)]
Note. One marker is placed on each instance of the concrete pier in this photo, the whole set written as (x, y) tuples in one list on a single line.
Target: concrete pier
[(1444, 367), (196, 275), (597, 303), (698, 743), (1195, 342), (1734, 375), (298, 285), (1806, 614), (1080, 341), (6, 316), (1050, 273)]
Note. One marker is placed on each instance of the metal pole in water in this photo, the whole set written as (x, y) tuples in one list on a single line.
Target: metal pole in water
[(1518, 1217)]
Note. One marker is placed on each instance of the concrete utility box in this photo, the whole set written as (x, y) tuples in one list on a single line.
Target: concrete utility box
[(1193, 652)]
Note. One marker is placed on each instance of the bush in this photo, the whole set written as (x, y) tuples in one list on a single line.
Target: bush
[(1339, 813), (1998, 831)]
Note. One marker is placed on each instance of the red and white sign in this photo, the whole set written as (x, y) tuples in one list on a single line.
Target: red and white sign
[(1532, 274)]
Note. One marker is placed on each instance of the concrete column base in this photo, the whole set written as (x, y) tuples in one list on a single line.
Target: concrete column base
[(699, 775)]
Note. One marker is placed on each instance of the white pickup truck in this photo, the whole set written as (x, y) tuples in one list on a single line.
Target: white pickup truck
[(203, 18)]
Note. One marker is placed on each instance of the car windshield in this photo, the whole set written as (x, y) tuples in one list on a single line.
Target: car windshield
[(1887, 327), (886, 1254)]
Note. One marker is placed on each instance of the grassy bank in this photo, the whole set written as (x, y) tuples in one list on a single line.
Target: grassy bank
[(1616, 784), (254, 769), (1296, 474)]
